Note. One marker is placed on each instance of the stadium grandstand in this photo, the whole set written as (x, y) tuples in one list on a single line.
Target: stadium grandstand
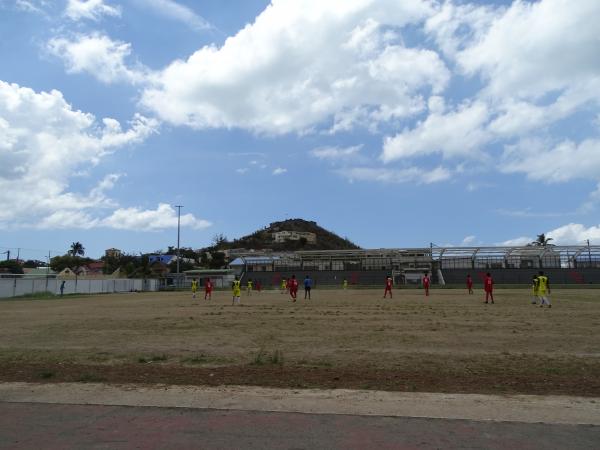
[(446, 265)]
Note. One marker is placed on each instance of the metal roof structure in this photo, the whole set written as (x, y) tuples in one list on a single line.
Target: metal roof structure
[(448, 257)]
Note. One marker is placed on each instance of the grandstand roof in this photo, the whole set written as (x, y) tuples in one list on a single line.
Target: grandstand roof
[(243, 260)]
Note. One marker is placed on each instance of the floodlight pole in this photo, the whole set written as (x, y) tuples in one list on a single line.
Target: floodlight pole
[(178, 234), (589, 252)]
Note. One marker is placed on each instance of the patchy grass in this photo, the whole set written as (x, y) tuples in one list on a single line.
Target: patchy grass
[(153, 358), (354, 336)]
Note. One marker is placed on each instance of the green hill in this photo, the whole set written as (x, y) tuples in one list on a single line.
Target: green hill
[(263, 239)]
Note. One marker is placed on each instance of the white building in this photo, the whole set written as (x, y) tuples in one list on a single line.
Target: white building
[(282, 236)]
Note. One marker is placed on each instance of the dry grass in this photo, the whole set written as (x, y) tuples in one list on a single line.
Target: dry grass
[(449, 331)]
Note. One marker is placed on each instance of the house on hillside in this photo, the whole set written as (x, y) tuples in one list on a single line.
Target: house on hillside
[(113, 253), (282, 236), (168, 259), (163, 259)]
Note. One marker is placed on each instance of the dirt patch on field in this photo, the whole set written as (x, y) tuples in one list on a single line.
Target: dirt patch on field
[(490, 376), (449, 342)]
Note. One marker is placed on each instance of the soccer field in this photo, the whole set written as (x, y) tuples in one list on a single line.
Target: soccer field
[(448, 342)]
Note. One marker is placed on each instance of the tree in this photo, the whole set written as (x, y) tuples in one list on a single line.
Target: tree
[(33, 263), (542, 240), (10, 266), (183, 266), (184, 252), (74, 263), (217, 261), (77, 249), (219, 239)]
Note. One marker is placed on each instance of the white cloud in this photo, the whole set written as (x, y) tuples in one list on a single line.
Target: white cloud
[(574, 233), (383, 175), (516, 242), (98, 56), (279, 171), (592, 201), (27, 6), (164, 216), (552, 164), (468, 240), (90, 9), (538, 64), (44, 143), (533, 48), (570, 234), (531, 213), (454, 26), (242, 170), (301, 65), (456, 133), (337, 154), (176, 11)]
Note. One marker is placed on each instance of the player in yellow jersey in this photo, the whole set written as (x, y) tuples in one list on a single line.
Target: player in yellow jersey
[(544, 290), (283, 285), (249, 286), (194, 287), (535, 287), (345, 284), (237, 291)]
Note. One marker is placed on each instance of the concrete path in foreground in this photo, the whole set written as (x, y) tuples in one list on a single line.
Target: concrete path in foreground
[(51, 426), (517, 408), (81, 416)]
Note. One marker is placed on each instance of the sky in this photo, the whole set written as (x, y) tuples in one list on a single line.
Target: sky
[(394, 123)]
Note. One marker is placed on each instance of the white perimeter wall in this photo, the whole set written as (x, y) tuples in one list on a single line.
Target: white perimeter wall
[(12, 287)]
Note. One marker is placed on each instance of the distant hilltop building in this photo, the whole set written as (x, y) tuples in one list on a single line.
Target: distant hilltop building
[(282, 236), (113, 253)]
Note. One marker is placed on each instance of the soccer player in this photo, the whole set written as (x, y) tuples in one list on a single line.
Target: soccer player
[(469, 283), (237, 291), (293, 287), (488, 286), (249, 287), (345, 284), (284, 285), (388, 286), (426, 283), (535, 286), (208, 288), (543, 289), (194, 287), (307, 286), (258, 286)]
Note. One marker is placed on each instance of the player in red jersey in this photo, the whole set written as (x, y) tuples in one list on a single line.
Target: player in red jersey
[(293, 287), (208, 288), (388, 286), (258, 286), (469, 283), (488, 286), (426, 282)]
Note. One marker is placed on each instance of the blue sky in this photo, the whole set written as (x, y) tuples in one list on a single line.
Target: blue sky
[(391, 122)]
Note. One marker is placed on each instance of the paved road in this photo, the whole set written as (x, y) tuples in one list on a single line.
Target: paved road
[(54, 426)]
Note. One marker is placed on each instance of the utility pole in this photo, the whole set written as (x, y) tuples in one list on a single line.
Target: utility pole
[(48, 270), (589, 252), (178, 235)]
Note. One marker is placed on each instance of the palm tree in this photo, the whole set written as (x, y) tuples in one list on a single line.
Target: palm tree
[(541, 240), (77, 249)]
